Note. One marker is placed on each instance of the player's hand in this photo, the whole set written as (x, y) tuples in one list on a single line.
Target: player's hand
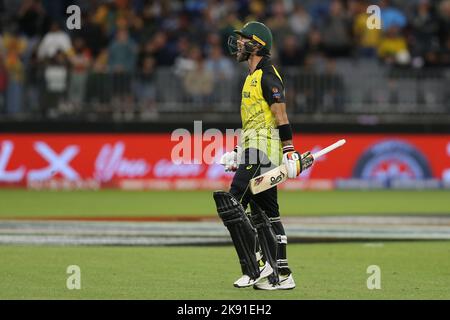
[(296, 163), (230, 159)]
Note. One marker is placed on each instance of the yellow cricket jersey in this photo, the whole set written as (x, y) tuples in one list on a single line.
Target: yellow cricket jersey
[(261, 89)]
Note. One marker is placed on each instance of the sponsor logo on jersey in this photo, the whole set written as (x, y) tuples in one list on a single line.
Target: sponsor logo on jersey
[(276, 93)]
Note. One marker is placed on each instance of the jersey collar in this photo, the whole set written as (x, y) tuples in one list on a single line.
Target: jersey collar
[(265, 61)]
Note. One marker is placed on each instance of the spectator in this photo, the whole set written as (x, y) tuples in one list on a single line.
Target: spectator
[(223, 71), (278, 23), (3, 84), (99, 84), (199, 82), (195, 7), (146, 90), (336, 32), (366, 39), (122, 57), (186, 60), (57, 9), (56, 75), (257, 11), (80, 64), (445, 54), (444, 21), (54, 41), (212, 40), (32, 19), (93, 34), (122, 53), (106, 17), (33, 84), (149, 20), (318, 10), (160, 50), (14, 47), (137, 28), (101, 62), (290, 54), (217, 10), (391, 16), (393, 49), (300, 23), (184, 28), (424, 30), (219, 65), (314, 49)]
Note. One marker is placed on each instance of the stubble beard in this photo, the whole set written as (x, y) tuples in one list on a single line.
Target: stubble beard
[(242, 56)]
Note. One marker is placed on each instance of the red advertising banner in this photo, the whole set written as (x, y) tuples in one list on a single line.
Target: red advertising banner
[(144, 161)]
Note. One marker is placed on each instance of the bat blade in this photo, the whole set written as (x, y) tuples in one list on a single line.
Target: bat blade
[(269, 179), (278, 175)]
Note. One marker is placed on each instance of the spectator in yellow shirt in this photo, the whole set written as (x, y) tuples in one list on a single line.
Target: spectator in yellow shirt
[(366, 39), (393, 48), (13, 47)]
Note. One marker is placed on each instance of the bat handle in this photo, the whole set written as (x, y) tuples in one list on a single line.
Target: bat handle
[(329, 148)]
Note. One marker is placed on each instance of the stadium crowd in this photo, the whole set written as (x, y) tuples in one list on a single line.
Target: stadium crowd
[(47, 69)]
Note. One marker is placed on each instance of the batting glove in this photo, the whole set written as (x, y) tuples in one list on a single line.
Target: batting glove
[(230, 159), (296, 163)]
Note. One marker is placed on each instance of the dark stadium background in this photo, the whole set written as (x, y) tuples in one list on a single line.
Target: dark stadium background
[(134, 60)]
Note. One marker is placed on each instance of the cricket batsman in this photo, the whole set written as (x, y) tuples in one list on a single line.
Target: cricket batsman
[(266, 142)]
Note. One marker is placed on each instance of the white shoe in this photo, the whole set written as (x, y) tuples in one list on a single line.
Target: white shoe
[(246, 281), (286, 283)]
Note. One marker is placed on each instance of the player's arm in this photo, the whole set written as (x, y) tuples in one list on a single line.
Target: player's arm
[(295, 162), (281, 118), (273, 92)]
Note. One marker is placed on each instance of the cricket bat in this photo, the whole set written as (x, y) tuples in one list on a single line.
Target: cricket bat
[(278, 175)]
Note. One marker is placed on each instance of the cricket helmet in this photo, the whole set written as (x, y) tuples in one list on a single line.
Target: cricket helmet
[(259, 34)]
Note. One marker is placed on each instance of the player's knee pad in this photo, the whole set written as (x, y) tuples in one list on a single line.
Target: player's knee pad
[(241, 231), (267, 237)]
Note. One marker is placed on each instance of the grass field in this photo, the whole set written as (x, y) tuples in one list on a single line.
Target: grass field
[(409, 270), (110, 203)]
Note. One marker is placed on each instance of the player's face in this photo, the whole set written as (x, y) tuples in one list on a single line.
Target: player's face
[(241, 41), (242, 55)]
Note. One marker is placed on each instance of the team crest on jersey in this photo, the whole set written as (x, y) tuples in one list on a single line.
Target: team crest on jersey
[(254, 83)]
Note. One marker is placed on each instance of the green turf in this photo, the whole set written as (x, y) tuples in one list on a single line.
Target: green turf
[(409, 270), (21, 203)]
